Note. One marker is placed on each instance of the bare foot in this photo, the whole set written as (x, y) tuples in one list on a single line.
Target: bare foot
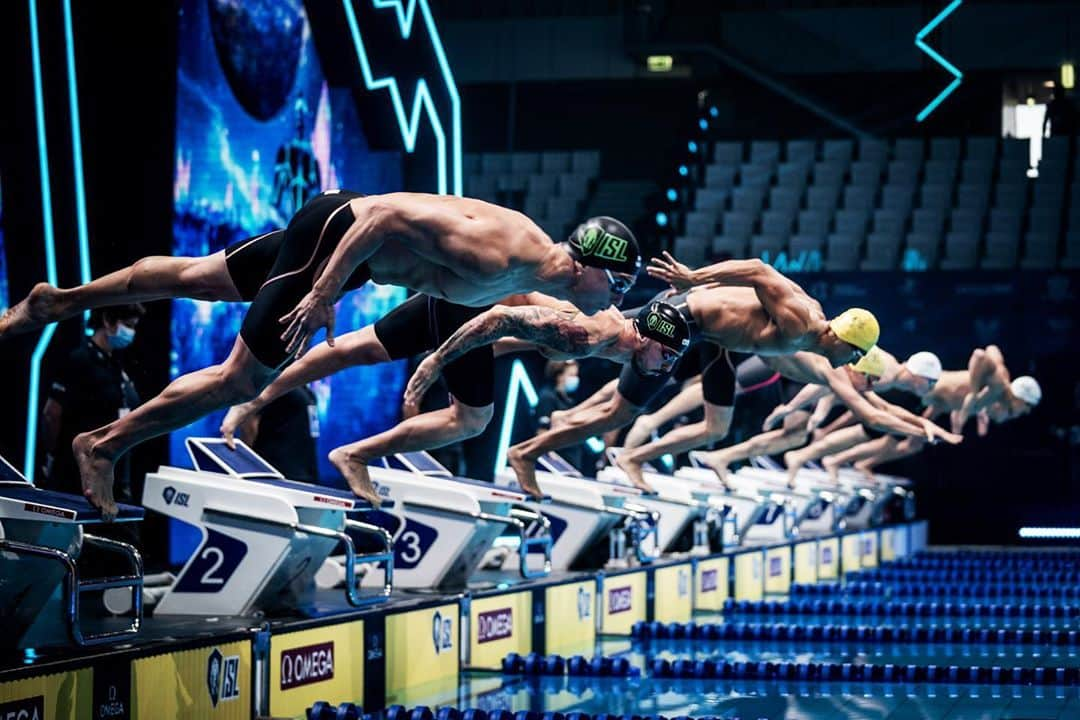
[(719, 466), (793, 462), (41, 307), (355, 472), (867, 472), (832, 467), (633, 473), (525, 470), (96, 472)]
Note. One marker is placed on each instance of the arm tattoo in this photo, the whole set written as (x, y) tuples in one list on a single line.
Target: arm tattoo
[(550, 328)]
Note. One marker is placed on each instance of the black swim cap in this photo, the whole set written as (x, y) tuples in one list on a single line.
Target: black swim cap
[(663, 323), (604, 242)]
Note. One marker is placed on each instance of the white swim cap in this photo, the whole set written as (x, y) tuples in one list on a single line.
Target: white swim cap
[(924, 364), (1027, 389)]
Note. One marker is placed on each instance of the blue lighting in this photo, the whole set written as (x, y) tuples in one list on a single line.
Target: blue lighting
[(50, 249), (668, 460), (672, 195), (703, 124), (714, 112), (595, 444), (957, 75), (683, 170), (76, 152), (410, 125), (661, 219), (691, 146), (519, 383)]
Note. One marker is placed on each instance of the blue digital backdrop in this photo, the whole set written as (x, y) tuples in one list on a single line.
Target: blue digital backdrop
[(258, 132)]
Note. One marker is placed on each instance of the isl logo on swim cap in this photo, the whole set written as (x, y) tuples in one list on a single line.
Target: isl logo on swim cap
[(660, 325), (595, 241)]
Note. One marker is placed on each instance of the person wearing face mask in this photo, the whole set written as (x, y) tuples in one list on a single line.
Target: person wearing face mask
[(91, 389)]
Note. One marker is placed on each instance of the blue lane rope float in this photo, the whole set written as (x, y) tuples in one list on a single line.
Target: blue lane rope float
[(904, 589), (899, 608), (865, 672), (852, 633), (537, 664)]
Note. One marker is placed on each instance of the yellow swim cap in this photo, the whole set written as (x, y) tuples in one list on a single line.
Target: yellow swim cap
[(872, 363), (858, 327)]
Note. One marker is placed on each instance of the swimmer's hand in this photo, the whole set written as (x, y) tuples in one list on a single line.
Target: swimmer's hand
[(312, 314), (427, 372), (935, 433), (775, 417), (983, 420), (233, 421), (671, 271)]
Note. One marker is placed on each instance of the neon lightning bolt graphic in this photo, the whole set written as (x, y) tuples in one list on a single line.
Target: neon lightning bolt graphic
[(957, 75), (409, 123)]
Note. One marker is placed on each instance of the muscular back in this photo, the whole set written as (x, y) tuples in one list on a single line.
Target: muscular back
[(949, 391), (734, 318), (464, 250)]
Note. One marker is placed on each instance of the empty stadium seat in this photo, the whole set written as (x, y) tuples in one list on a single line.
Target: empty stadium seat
[(701, 224), (720, 175), (727, 153), (814, 223), (840, 151), (1040, 251), (926, 247), (961, 251), (800, 152), (692, 250), (882, 252), (842, 252), (586, 162), (555, 162), (726, 246), (945, 149), (524, 163)]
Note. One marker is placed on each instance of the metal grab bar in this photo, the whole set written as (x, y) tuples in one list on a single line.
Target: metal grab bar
[(352, 592), (640, 522), (386, 557), (543, 543), (73, 588)]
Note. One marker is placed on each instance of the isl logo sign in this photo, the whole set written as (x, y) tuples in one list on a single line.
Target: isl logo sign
[(442, 633), (584, 603), (222, 677)]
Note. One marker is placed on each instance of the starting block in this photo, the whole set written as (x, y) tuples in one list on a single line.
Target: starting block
[(447, 524), (756, 516), (41, 539), (263, 537), (583, 512), (681, 503)]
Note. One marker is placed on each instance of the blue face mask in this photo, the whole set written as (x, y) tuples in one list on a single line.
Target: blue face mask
[(571, 384), (123, 337)]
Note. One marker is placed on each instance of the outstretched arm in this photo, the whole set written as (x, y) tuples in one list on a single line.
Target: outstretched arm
[(782, 299), (876, 417), (566, 332), (821, 412), (810, 393)]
